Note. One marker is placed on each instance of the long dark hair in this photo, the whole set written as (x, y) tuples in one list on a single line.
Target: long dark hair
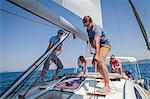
[(82, 59)]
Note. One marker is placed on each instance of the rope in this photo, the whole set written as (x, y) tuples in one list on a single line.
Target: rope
[(87, 56), (95, 76), (115, 89), (68, 42), (45, 69)]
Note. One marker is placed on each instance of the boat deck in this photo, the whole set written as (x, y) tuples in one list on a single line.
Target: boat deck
[(117, 88), (88, 85), (91, 83)]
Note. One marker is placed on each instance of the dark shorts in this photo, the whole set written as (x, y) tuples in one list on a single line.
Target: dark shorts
[(114, 71), (80, 69)]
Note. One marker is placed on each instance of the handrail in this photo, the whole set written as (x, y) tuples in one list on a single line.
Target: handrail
[(46, 67), (146, 82), (132, 60), (30, 71)]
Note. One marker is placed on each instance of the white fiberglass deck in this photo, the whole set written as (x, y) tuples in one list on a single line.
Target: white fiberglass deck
[(117, 88)]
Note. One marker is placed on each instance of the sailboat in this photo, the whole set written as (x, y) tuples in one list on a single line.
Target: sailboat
[(73, 85)]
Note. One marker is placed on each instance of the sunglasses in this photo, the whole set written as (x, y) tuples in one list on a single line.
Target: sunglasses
[(112, 58), (85, 20)]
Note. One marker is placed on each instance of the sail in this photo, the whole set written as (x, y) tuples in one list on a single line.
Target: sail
[(84, 7), (39, 9)]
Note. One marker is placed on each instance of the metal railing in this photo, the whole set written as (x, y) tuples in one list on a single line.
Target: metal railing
[(20, 82)]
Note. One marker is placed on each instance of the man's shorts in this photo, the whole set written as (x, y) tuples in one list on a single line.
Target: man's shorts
[(104, 52), (54, 59)]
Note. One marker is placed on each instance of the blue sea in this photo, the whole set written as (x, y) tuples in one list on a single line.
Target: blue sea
[(7, 78)]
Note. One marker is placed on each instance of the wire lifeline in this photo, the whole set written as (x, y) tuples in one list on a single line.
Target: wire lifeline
[(45, 69)]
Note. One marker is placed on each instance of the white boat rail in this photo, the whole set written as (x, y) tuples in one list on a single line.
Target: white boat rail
[(134, 63)]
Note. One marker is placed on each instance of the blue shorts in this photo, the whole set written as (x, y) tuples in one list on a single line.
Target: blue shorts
[(80, 69), (54, 59)]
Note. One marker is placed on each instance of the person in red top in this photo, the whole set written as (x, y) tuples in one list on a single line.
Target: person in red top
[(115, 65)]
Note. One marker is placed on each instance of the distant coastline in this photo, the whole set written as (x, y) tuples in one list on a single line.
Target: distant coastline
[(144, 61)]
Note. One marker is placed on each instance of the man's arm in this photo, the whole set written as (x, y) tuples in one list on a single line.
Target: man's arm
[(97, 44), (119, 64), (60, 48), (112, 66), (50, 45)]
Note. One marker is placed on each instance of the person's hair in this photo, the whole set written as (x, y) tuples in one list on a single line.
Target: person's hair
[(82, 59), (87, 18), (112, 56), (61, 31)]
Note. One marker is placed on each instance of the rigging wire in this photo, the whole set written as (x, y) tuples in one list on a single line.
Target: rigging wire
[(31, 73), (140, 25), (67, 43), (43, 18), (87, 58), (36, 22), (25, 18), (32, 21), (57, 25)]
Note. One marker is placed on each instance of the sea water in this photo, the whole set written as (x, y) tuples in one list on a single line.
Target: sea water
[(7, 78)]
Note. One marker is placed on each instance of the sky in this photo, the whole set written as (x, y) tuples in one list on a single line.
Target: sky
[(22, 41)]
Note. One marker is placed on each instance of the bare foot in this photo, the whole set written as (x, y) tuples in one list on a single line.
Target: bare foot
[(105, 89)]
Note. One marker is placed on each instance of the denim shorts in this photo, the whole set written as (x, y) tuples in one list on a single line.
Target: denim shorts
[(54, 59)]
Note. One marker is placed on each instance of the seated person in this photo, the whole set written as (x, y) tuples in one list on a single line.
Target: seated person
[(128, 74), (115, 65), (81, 64)]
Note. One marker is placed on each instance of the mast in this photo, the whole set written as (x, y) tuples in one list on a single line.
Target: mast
[(140, 25)]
